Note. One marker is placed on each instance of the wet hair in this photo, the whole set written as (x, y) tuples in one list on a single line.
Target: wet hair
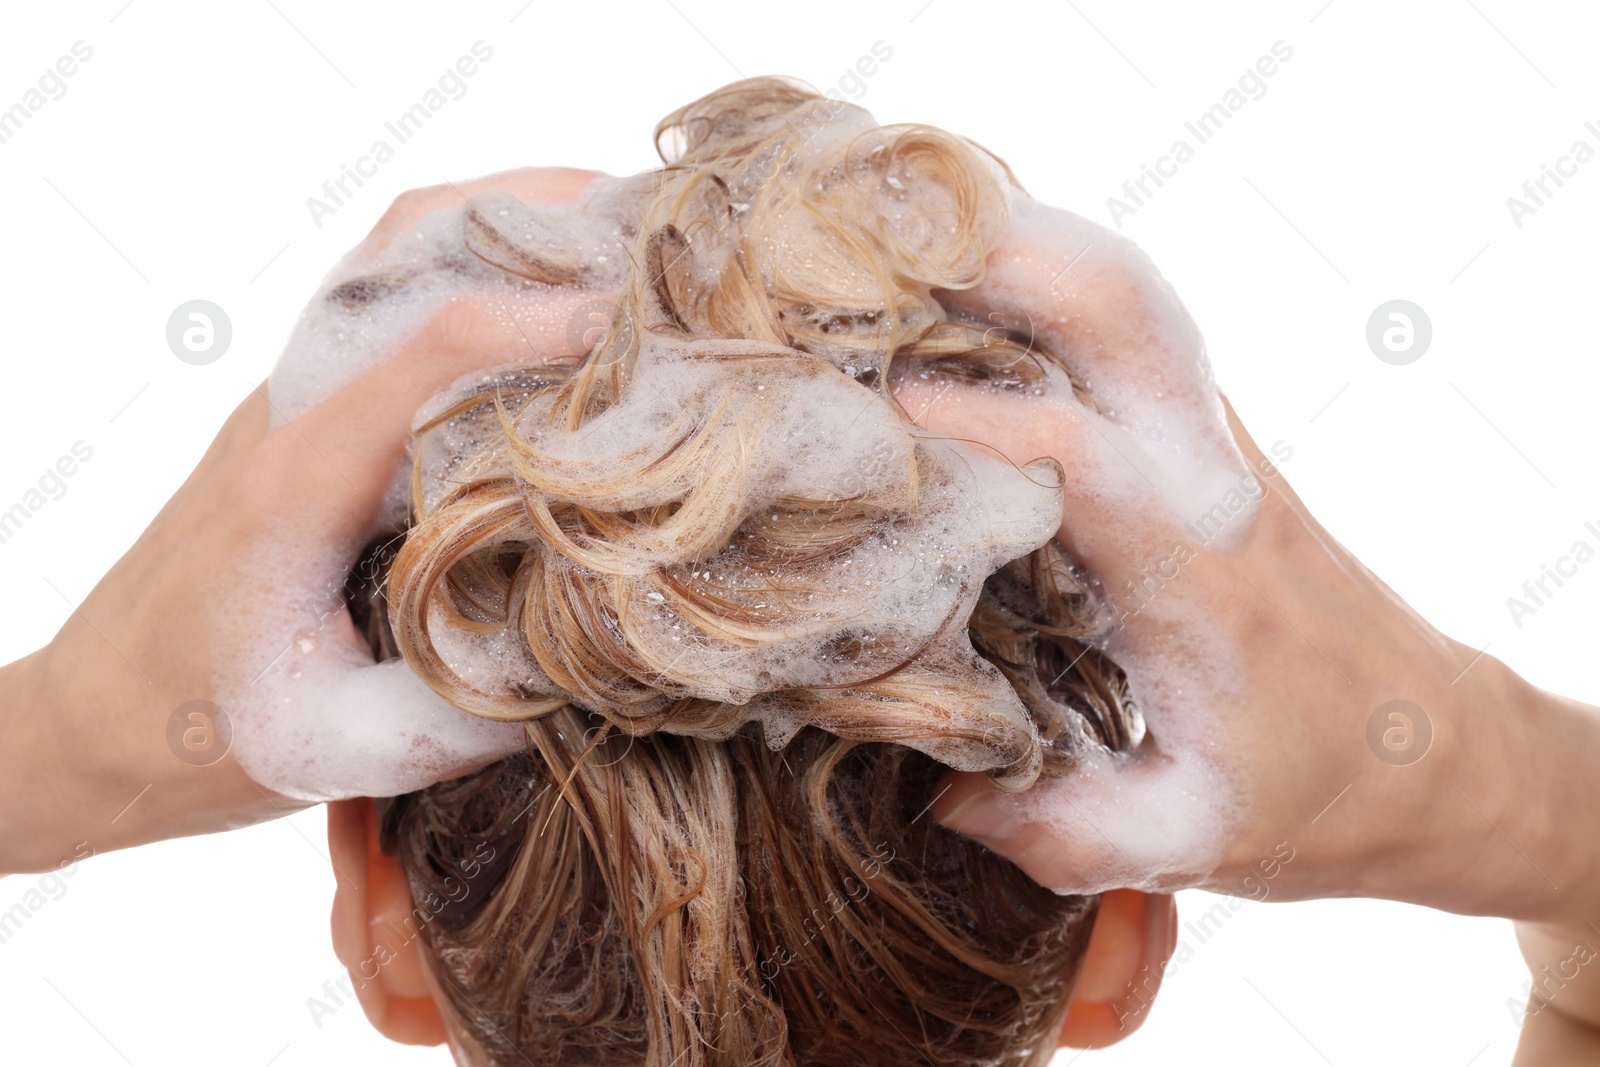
[(717, 848)]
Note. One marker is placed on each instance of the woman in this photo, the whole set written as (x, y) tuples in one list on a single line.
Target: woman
[(1260, 653)]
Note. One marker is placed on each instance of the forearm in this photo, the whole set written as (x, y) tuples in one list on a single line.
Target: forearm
[(36, 789), (86, 767)]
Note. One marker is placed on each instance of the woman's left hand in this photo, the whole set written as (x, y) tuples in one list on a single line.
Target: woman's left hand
[(102, 721)]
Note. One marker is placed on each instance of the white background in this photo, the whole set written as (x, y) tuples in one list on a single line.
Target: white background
[(1376, 166)]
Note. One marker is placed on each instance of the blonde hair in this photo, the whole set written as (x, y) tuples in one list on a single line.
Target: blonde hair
[(703, 859)]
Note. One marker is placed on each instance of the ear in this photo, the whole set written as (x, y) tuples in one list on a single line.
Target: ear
[(376, 935), (1133, 938)]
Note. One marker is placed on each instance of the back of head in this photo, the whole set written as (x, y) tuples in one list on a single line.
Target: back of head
[(750, 618)]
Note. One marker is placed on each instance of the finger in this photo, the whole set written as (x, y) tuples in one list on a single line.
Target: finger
[(339, 460), (1098, 301), (1260, 462), (1093, 299), (549, 185), (1113, 519), (1153, 824), (319, 486), (322, 724), (316, 718)]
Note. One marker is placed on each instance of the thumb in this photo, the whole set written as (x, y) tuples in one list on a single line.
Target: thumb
[(1151, 822)]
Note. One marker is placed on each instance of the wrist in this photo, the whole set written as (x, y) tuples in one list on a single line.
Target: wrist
[(33, 792), (1524, 781), (1563, 815), (90, 768)]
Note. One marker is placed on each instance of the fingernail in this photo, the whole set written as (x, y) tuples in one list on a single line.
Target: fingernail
[(971, 806)]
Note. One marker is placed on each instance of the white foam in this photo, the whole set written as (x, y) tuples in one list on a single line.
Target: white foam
[(1161, 817), (435, 261), (1138, 350), (314, 718), (784, 428)]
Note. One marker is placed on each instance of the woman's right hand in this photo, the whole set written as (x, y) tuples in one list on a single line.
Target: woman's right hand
[(1264, 657)]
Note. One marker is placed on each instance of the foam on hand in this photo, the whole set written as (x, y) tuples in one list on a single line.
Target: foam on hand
[(489, 246), (1147, 452), (314, 718)]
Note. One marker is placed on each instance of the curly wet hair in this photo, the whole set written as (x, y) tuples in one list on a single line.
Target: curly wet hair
[(717, 847)]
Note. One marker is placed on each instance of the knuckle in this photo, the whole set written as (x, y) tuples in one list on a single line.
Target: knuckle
[(410, 207)]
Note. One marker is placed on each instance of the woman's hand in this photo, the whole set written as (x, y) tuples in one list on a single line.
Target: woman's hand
[(1264, 657), (90, 761)]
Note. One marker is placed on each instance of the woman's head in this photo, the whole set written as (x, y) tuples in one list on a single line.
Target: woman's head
[(750, 617)]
